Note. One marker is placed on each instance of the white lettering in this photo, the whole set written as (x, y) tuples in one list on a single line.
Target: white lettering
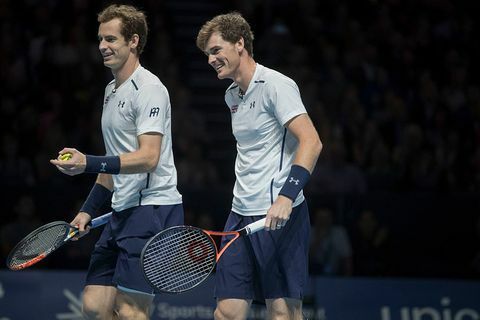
[(471, 314), (385, 313), (429, 312), (447, 313), (167, 311), (419, 313), (405, 314)]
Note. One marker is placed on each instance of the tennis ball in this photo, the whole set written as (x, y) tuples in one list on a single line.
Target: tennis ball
[(65, 156)]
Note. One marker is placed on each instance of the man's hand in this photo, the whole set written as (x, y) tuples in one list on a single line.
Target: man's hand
[(80, 221), (279, 213), (73, 166)]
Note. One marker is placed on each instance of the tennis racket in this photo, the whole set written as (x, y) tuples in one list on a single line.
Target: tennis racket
[(42, 241), (179, 258)]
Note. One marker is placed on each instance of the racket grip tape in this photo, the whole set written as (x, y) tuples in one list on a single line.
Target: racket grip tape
[(255, 226), (98, 221)]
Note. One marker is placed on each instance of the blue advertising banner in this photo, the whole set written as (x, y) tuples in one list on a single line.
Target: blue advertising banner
[(397, 299), (57, 295)]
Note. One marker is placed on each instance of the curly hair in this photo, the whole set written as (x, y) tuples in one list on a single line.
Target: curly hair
[(133, 21), (231, 26)]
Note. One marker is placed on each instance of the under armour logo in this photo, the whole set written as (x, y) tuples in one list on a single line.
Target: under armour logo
[(104, 165), (252, 105), (297, 181), (154, 112), (121, 104)]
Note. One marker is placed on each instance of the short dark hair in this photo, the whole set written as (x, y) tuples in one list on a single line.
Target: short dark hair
[(231, 26), (133, 21)]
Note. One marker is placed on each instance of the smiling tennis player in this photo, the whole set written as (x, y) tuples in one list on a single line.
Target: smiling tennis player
[(277, 149), (138, 167)]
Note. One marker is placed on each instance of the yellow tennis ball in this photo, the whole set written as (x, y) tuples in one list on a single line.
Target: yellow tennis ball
[(65, 156)]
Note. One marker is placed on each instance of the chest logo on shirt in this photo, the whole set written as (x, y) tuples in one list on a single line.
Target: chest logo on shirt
[(234, 108), (121, 104), (154, 112), (252, 105)]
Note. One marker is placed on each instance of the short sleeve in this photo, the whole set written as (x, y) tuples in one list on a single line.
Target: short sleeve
[(284, 99), (152, 109)]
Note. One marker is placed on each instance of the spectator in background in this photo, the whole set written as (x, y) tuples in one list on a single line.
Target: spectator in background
[(335, 175), (373, 70), (371, 246), (330, 248), (25, 221), (16, 170), (475, 262), (205, 221), (197, 171)]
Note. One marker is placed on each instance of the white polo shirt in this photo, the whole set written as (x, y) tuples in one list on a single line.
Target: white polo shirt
[(140, 105), (265, 148)]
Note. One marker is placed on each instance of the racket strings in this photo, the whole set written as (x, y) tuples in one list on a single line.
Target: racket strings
[(180, 262), (183, 272), (41, 242), (180, 259)]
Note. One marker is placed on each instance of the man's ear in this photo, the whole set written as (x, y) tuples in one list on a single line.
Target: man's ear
[(240, 45), (134, 41)]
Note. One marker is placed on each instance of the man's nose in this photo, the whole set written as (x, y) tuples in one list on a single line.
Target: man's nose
[(211, 59)]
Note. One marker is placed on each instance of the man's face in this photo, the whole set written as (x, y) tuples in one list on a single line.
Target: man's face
[(223, 56), (114, 48)]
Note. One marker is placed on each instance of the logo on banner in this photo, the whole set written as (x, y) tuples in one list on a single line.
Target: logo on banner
[(74, 305), (442, 312)]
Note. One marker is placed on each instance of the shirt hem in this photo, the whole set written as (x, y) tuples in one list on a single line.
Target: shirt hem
[(263, 212), (145, 203)]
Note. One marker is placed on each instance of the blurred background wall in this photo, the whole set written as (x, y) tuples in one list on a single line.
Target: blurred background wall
[(392, 87)]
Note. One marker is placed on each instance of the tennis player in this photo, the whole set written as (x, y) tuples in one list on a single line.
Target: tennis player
[(277, 149), (138, 169)]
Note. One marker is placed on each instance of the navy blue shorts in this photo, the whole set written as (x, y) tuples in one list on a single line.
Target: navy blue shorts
[(267, 264), (115, 260)]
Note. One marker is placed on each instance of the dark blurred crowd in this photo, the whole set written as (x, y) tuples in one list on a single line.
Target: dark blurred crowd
[(392, 87)]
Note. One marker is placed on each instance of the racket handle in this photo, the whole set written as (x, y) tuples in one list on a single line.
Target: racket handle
[(98, 221), (255, 226)]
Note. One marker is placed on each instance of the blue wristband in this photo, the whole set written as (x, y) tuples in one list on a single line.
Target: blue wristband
[(296, 180), (95, 200), (105, 164)]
